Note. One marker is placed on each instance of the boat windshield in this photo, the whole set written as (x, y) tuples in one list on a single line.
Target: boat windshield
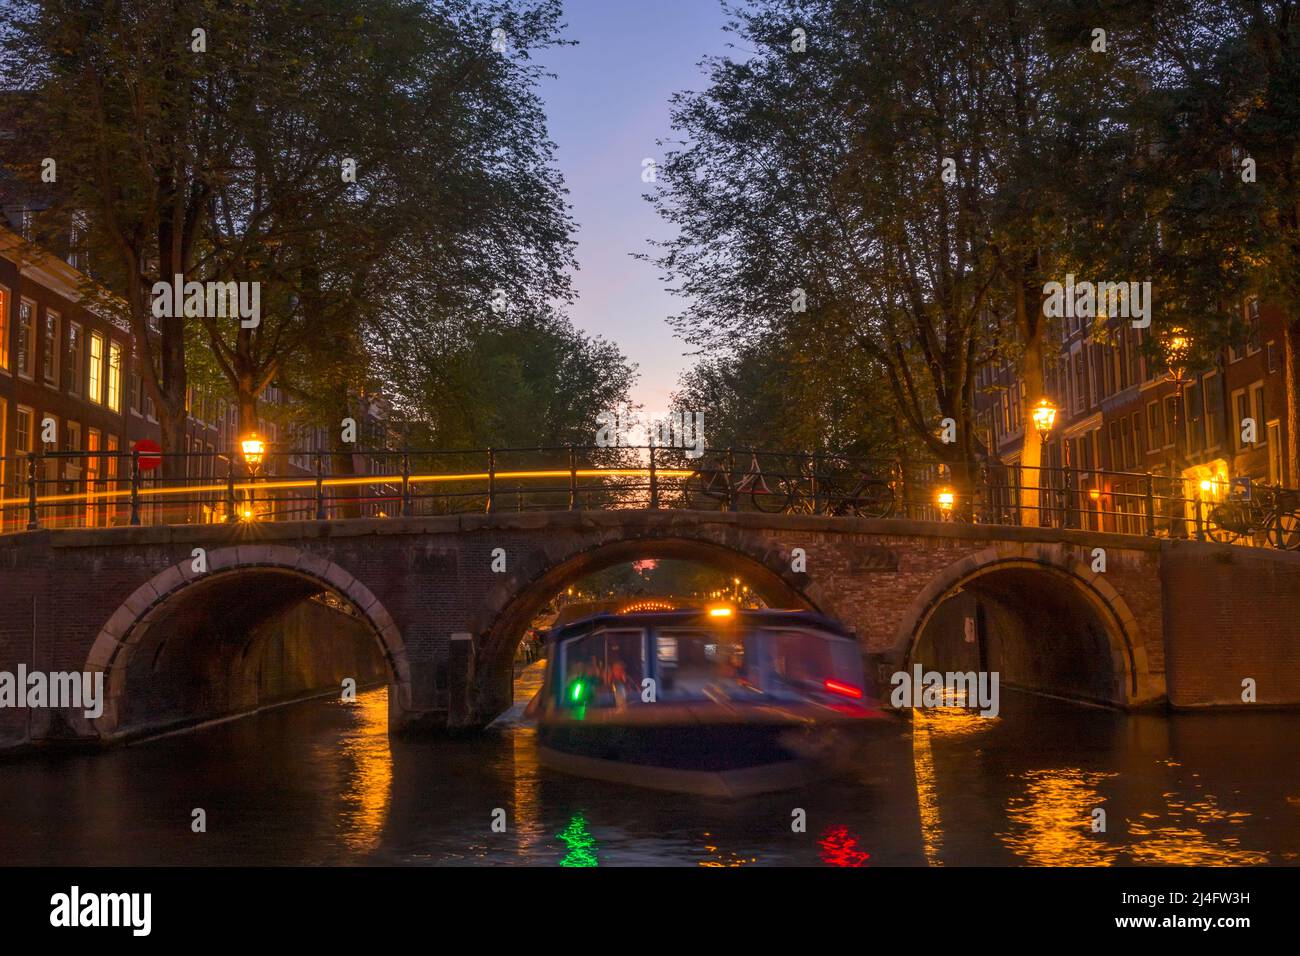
[(604, 669), (779, 663)]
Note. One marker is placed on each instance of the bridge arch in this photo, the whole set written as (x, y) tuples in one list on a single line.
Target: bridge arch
[(514, 603), (1048, 587), (294, 574)]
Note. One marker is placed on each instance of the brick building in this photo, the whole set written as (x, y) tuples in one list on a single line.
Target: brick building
[(72, 374), (1118, 414)]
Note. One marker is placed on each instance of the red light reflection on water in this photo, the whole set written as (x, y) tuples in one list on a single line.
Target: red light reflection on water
[(840, 848)]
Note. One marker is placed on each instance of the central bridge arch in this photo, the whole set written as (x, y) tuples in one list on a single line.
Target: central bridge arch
[(514, 603)]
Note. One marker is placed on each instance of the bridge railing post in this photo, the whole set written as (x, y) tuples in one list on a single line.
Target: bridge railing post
[(1200, 518), (33, 511), (1151, 504), (492, 480), (731, 480), (135, 486), (573, 478), (406, 483), (812, 481), (654, 485), (320, 487), (231, 517)]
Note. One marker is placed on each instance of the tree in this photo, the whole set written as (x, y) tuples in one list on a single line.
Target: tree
[(906, 177), (1210, 201), (208, 141)]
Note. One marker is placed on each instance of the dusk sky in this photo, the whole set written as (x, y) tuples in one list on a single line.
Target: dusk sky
[(607, 105)]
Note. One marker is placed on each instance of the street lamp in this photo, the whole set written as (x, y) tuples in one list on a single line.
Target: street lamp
[(946, 499), (254, 449), (1044, 417), (1044, 414)]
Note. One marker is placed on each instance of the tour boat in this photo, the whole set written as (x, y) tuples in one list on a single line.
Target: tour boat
[(717, 701)]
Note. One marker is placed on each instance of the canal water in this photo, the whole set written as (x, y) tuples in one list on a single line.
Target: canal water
[(319, 782)]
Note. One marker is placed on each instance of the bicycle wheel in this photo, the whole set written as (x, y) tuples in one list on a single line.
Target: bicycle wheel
[(1286, 523), (873, 499), (771, 500), (1221, 527), (705, 491)]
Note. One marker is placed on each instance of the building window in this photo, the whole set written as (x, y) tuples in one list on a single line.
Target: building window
[(1171, 421), (1155, 427), (1241, 408), (4, 419), (94, 469), (1098, 375), (133, 388), (1272, 357), (1253, 337), (1275, 452), (26, 353), (1195, 416), (4, 329), (75, 366), (53, 345), (115, 376), (1257, 402), (1080, 382), (23, 432), (95, 381), (1212, 391)]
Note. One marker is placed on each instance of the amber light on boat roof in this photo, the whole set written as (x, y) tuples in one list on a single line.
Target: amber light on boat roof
[(720, 611)]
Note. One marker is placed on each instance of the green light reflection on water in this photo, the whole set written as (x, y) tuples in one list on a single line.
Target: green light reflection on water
[(581, 844)]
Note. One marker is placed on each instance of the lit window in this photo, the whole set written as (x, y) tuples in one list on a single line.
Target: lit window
[(115, 376), (50, 354), (95, 382), (4, 329), (26, 354), (74, 368)]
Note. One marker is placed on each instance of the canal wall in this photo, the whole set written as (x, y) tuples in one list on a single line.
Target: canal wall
[(1233, 616)]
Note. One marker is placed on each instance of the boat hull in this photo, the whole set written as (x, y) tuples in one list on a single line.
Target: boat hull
[(731, 760)]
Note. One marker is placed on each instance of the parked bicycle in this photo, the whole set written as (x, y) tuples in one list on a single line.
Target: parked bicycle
[(1270, 513), (806, 493)]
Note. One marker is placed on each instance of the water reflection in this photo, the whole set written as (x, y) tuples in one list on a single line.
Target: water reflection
[(368, 781), (320, 783), (581, 844), (1053, 819)]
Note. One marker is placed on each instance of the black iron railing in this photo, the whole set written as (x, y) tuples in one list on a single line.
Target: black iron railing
[(68, 489)]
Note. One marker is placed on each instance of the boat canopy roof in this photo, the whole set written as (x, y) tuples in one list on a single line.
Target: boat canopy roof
[(700, 617)]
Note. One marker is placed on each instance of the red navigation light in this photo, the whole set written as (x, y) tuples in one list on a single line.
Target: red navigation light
[(845, 690)]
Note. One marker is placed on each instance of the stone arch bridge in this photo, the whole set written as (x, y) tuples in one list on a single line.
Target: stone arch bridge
[(1181, 623)]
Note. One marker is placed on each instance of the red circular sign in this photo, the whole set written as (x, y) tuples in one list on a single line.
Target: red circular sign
[(150, 453)]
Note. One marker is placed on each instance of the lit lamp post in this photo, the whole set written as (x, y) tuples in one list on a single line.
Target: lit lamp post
[(1177, 347), (254, 449), (946, 499), (1044, 415)]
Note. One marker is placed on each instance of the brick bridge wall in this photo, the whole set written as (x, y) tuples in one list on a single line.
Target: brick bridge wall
[(90, 599)]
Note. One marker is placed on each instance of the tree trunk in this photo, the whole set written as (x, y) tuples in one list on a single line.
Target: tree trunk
[(1031, 453), (1291, 377), (342, 462)]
